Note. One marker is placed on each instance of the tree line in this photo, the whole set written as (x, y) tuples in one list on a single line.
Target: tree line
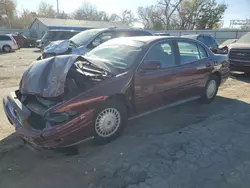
[(164, 15)]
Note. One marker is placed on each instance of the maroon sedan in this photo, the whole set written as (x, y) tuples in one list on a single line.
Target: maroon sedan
[(63, 100)]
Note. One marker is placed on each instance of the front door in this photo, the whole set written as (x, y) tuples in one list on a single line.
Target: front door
[(155, 88)]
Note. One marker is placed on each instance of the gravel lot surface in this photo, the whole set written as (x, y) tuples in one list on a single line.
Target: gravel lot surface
[(189, 146)]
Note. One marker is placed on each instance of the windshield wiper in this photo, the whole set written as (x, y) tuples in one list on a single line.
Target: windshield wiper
[(98, 68)]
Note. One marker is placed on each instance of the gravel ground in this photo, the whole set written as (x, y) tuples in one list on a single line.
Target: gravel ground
[(189, 146)]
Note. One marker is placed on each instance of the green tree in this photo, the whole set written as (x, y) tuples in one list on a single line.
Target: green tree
[(210, 15)]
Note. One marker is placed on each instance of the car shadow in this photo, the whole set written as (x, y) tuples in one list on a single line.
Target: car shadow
[(37, 51), (33, 168), (1, 52), (241, 76)]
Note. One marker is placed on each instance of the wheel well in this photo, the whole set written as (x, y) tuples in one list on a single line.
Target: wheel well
[(218, 75), (6, 45), (122, 98)]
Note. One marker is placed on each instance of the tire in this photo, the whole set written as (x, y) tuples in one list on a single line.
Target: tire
[(6, 48), (208, 96), (107, 130)]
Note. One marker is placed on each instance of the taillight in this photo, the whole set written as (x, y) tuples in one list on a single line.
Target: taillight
[(14, 41)]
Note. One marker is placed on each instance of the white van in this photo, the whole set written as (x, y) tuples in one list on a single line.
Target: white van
[(8, 43)]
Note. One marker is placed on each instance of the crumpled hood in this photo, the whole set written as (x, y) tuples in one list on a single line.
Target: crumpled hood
[(46, 78), (61, 46)]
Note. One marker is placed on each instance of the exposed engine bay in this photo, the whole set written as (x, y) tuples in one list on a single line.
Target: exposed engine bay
[(39, 90)]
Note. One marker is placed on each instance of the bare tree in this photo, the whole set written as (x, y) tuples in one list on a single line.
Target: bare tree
[(86, 11), (46, 10), (7, 10), (159, 16), (168, 7), (127, 17), (151, 17)]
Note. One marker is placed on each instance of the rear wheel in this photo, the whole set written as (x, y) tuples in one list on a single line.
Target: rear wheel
[(6, 48), (110, 120), (210, 90)]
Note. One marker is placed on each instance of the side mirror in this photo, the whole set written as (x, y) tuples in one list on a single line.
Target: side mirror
[(151, 65), (96, 43)]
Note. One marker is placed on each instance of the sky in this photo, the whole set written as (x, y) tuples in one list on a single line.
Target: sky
[(237, 9)]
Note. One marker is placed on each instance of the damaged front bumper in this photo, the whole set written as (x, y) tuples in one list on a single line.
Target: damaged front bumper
[(62, 135)]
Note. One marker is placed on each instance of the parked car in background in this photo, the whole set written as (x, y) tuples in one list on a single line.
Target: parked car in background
[(65, 99), (20, 39), (8, 43), (224, 46), (208, 40), (88, 40), (54, 35), (161, 34), (29, 42), (239, 54)]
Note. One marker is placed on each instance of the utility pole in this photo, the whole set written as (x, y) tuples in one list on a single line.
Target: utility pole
[(57, 5)]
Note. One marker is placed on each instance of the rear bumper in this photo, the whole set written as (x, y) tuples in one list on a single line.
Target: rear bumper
[(62, 135), (237, 65), (15, 47)]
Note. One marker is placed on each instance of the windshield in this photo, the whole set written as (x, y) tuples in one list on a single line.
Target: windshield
[(118, 53), (84, 36), (49, 35), (244, 39)]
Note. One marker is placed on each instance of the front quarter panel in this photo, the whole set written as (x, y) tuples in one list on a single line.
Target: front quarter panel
[(120, 84)]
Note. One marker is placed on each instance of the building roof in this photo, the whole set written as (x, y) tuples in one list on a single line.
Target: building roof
[(54, 22)]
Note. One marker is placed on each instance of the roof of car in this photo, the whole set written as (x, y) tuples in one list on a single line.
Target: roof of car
[(63, 30), (10, 35), (195, 36), (127, 29), (149, 39)]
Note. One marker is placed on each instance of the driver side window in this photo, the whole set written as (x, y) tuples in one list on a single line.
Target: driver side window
[(162, 53)]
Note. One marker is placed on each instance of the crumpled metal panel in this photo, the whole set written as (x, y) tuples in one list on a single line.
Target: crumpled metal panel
[(57, 47), (61, 46), (46, 78)]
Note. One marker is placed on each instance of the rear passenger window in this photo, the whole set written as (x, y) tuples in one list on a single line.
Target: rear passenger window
[(66, 35), (188, 52), (202, 51), (5, 38), (163, 53), (105, 36)]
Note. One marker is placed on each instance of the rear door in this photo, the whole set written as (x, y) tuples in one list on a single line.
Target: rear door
[(195, 67), (5, 40), (155, 88)]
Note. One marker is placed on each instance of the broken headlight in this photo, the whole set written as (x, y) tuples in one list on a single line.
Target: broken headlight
[(59, 117)]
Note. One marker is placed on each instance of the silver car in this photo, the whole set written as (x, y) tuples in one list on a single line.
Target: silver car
[(8, 43)]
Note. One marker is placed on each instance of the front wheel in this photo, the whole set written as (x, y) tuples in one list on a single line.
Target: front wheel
[(6, 48), (210, 91), (109, 122)]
